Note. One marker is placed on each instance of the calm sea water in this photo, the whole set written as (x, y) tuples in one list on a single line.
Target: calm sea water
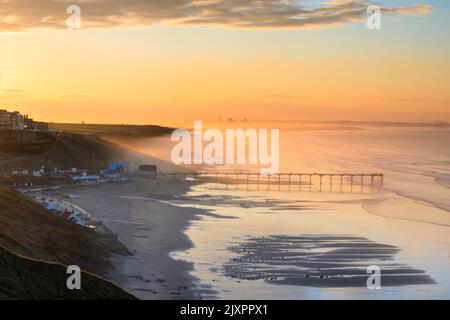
[(410, 213)]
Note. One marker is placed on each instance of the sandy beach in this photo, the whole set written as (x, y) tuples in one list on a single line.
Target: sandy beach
[(191, 242), (151, 229), (194, 241)]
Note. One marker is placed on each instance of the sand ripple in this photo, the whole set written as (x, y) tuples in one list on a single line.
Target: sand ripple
[(320, 261)]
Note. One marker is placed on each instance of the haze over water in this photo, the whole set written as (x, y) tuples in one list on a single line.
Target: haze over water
[(410, 213)]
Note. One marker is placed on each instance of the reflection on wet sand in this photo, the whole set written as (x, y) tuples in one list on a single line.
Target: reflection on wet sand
[(320, 261)]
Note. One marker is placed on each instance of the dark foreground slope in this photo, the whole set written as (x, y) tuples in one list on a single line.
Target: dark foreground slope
[(28, 230), (22, 278)]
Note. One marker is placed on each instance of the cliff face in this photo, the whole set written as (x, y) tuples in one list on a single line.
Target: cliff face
[(28, 231), (18, 136), (17, 143)]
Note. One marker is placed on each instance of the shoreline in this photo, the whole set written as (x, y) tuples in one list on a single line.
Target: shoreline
[(139, 211), (152, 220), (258, 271)]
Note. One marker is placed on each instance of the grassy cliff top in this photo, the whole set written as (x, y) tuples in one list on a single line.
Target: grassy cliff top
[(114, 129), (74, 145), (31, 151)]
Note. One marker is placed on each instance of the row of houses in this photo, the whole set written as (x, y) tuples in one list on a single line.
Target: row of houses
[(116, 172), (16, 121)]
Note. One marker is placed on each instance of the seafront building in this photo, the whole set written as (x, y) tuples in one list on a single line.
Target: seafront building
[(5, 119), (147, 170), (16, 121)]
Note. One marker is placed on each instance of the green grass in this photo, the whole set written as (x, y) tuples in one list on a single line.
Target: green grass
[(106, 129), (57, 151), (76, 145)]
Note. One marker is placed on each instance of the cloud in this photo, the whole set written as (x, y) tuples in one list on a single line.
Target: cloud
[(23, 15), (414, 10), (9, 91), (10, 94)]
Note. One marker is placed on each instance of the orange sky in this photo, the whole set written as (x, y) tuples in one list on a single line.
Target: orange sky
[(170, 74)]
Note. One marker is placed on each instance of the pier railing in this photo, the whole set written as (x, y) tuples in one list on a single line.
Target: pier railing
[(326, 182)]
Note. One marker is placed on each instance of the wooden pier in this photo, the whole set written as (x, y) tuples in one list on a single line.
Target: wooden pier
[(321, 182)]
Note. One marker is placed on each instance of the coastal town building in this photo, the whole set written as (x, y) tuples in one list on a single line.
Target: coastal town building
[(116, 172), (147, 171), (120, 167), (16, 121), (86, 177), (5, 119)]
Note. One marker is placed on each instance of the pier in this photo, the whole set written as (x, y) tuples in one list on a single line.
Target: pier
[(320, 182)]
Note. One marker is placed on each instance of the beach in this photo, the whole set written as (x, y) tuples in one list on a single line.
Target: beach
[(197, 241), (312, 246), (186, 242), (151, 228)]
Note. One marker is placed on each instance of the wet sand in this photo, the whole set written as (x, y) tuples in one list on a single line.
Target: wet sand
[(402, 228), (291, 245), (151, 228), (189, 242), (320, 261)]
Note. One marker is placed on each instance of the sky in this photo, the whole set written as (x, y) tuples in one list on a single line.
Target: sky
[(170, 61)]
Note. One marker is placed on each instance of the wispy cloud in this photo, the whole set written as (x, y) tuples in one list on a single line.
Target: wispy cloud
[(23, 15), (8, 94)]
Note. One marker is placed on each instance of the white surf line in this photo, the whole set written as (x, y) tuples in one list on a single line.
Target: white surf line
[(147, 199)]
